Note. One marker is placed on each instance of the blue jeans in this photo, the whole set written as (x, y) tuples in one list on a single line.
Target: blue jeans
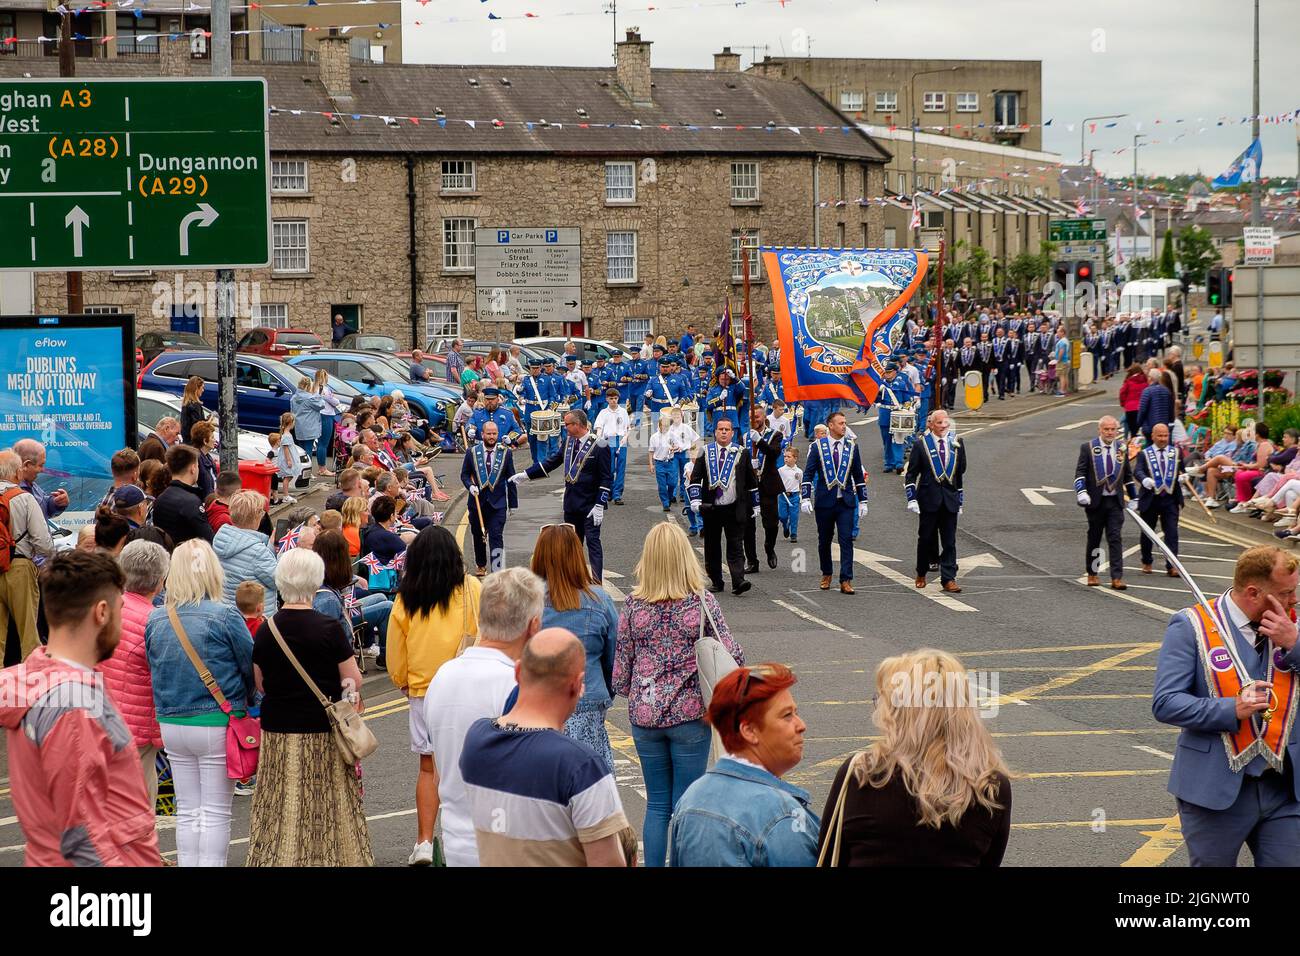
[(375, 609), (672, 758), (667, 476), (326, 440), (618, 456), (787, 509)]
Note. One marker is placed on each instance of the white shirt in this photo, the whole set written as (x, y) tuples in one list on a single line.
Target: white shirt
[(791, 478), (647, 352), (780, 423), (682, 437), (1242, 623), (465, 689), (661, 447), (613, 423), (579, 378), (463, 414), (914, 374)]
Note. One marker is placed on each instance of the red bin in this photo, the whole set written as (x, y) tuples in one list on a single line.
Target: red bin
[(256, 476)]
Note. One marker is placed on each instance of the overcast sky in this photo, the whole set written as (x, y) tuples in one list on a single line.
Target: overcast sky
[(1152, 59)]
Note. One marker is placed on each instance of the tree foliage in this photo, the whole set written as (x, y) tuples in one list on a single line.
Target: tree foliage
[(1168, 267), (1196, 252)]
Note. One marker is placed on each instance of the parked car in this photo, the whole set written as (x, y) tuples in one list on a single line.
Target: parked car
[(481, 347), (373, 373), (151, 407), (279, 343), (263, 386), (367, 342), (588, 349), (148, 345)]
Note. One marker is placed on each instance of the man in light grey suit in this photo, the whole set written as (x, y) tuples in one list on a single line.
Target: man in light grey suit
[(1259, 803)]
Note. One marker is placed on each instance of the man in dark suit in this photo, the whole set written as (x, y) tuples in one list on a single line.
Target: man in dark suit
[(1102, 476), (486, 473), (1158, 470), (934, 491), (724, 492), (1015, 359), (765, 455), (949, 373), (834, 486), (588, 476)]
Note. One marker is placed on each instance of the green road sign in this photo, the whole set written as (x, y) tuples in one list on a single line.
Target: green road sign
[(1076, 230), (134, 174)]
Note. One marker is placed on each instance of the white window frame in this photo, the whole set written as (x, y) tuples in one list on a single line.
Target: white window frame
[(284, 253), (891, 237), (741, 189), (934, 101), (102, 310), (635, 329), (968, 102), (755, 272), (1002, 121), (623, 192), (616, 256), (853, 101), (271, 315), (932, 219), (457, 237), (886, 101), (441, 320), (285, 174), (455, 174)]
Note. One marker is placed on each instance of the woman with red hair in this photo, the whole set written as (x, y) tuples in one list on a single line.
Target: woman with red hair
[(741, 813)]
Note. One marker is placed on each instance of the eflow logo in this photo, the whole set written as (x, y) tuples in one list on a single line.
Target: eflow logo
[(76, 909), (48, 343)]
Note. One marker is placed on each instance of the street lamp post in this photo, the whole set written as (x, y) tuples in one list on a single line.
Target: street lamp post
[(911, 93), (1084, 155), (1136, 138)]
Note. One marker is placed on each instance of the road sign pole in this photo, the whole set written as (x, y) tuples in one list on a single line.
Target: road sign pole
[(226, 407), (68, 67)]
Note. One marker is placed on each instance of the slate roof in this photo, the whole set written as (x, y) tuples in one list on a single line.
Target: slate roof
[(534, 93)]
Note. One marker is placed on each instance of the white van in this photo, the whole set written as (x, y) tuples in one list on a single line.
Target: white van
[(1157, 295)]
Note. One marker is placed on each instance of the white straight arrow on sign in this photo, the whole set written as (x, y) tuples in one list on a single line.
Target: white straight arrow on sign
[(1035, 498), (78, 220)]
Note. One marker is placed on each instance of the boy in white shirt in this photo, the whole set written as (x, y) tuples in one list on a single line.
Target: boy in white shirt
[(787, 506), (663, 463), (779, 421), (612, 425)]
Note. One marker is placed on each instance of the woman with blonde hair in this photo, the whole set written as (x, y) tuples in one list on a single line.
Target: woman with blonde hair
[(329, 421), (933, 790), (192, 410), (355, 511), (575, 602), (193, 725), (655, 669)]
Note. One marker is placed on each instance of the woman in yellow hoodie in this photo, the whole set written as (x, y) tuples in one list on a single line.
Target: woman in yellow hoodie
[(434, 618)]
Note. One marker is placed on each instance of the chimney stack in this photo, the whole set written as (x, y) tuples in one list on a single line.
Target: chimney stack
[(726, 61), (634, 68), (334, 57)]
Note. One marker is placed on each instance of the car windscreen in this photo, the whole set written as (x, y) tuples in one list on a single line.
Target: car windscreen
[(297, 338)]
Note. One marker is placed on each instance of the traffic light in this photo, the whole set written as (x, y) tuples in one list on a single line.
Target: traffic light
[(1083, 272), (1061, 272), (1214, 287), (1227, 286), (1185, 280)]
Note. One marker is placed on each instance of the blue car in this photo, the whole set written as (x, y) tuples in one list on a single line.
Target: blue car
[(372, 373), (263, 386)]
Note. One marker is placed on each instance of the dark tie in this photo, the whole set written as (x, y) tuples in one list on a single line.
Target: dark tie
[(943, 457), (1110, 465), (835, 458), (1261, 639)]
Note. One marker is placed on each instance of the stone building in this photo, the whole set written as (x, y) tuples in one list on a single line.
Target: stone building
[(382, 172)]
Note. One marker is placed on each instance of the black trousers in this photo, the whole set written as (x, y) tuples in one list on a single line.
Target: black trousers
[(836, 520), (943, 523), (1004, 380), (496, 529), (949, 394), (1167, 513), (587, 531), (717, 521), (771, 522), (1106, 518)]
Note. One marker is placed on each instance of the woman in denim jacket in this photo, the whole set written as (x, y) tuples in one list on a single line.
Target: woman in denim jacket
[(577, 604), (193, 727), (741, 813)]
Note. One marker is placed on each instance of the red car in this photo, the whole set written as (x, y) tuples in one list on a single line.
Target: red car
[(279, 342)]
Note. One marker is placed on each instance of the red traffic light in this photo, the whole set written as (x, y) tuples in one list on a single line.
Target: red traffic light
[(1083, 271)]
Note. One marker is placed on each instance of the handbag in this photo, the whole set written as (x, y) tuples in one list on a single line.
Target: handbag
[(353, 738), (835, 825), (712, 662), (243, 734)]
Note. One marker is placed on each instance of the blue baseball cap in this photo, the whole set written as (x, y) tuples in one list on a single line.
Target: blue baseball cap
[(657, 348), (127, 497)]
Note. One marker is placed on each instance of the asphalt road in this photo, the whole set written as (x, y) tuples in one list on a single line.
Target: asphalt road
[(1068, 668)]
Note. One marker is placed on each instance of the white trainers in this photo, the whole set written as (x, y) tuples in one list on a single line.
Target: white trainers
[(288, 500), (1284, 522), (422, 855), (1239, 509), (371, 651), (1213, 503)]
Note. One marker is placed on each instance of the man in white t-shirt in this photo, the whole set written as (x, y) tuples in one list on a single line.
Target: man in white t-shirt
[(612, 426), (475, 685), (780, 421)]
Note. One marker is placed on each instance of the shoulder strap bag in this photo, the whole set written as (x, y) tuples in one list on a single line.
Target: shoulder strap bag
[(354, 739), (712, 662), (243, 734), (835, 825)]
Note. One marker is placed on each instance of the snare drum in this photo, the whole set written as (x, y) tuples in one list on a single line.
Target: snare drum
[(902, 423), (545, 424), (691, 414)]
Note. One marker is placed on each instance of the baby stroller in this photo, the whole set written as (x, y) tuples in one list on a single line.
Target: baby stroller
[(1046, 382)]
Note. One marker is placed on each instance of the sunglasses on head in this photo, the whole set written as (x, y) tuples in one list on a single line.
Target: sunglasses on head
[(760, 673)]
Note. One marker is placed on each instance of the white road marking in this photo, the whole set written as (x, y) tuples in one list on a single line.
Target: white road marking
[(876, 562), (615, 592), (799, 612), (1156, 587), (1205, 557), (1154, 751), (986, 560), (1066, 428), (1035, 498), (1129, 597)]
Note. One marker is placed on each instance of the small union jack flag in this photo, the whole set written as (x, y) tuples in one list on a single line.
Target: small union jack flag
[(289, 541), (373, 563), (438, 516), (398, 563)]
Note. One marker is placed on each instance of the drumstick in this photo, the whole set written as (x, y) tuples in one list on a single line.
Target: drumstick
[(1187, 480)]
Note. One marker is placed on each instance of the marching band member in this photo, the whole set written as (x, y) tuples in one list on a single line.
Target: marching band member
[(724, 492), (835, 489), (1102, 476), (986, 366), (933, 487), (534, 396), (1226, 675), (662, 391), (684, 442), (558, 398), (1158, 469), (487, 474), (663, 463), (1015, 359), (492, 411), (612, 426), (764, 448), (1001, 363), (724, 401), (895, 392)]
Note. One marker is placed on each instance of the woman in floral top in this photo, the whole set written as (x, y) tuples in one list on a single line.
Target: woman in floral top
[(654, 668)]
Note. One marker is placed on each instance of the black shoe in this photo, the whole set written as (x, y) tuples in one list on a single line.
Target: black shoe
[(741, 588), (667, 508), (716, 589), (785, 532), (751, 568), (381, 662), (771, 561), (618, 501), (692, 534), (794, 539)]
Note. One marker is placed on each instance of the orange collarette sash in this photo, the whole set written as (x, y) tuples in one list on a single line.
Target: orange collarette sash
[(1225, 675)]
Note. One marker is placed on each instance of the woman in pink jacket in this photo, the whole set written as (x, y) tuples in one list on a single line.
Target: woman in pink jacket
[(1130, 396), (127, 672)]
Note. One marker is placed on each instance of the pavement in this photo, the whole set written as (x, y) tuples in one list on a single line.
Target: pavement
[(1066, 669)]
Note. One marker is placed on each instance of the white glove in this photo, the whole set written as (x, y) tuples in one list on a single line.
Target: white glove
[(1149, 484), (1085, 499), (471, 431), (754, 435), (519, 477), (862, 509), (695, 506), (806, 506), (960, 510), (914, 507), (757, 511), (473, 490), (1132, 506), (597, 515)]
